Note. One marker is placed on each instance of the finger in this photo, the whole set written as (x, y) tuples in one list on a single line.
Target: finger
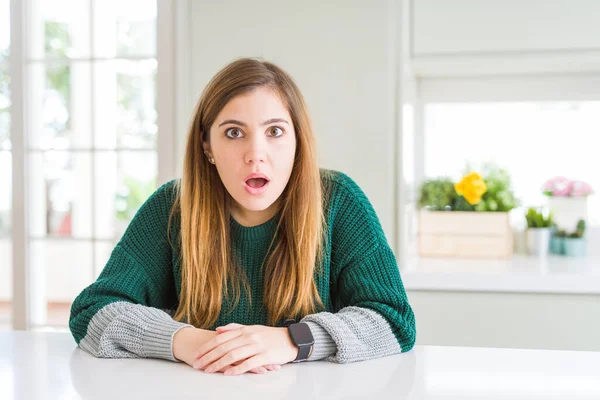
[(258, 371), (241, 353), (261, 370), (232, 365), (216, 341), (228, 327), (250, 363), (219, 352)]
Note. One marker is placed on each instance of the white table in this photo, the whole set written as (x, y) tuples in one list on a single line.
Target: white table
[(42, 365)]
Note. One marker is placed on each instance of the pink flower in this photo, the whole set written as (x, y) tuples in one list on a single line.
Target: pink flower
[(580, 188), (561, 186), (557, 186)]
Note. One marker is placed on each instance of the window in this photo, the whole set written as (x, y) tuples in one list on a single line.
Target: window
[(534, 141), (5, 170), (91, 139), (535, 127)]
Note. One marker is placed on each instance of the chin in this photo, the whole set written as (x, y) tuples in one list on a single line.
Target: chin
[(256, 205)]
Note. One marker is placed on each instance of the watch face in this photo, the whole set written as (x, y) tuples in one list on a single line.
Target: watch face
[(301, 334)]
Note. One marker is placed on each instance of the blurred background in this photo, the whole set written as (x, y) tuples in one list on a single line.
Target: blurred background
[(472, 125)]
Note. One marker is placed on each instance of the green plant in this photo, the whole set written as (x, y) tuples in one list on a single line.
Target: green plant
[(579, 231), (538, 219), (437, 194), (561, 233), (440, 194), (131, 196), (499, 195)]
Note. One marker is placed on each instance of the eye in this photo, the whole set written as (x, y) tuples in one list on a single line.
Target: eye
[(275, 131), (233, 133)]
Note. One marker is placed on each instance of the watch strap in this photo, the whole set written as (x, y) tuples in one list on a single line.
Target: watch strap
[(303, 353)]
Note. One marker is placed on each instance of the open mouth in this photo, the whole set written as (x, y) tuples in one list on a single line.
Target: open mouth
[(256, 183)]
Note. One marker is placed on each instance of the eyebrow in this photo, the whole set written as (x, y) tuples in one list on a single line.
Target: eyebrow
[(240, 123)]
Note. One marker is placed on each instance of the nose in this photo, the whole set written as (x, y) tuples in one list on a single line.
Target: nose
[(256, 151)]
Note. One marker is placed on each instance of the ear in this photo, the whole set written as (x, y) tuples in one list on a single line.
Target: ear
[(206, 148)]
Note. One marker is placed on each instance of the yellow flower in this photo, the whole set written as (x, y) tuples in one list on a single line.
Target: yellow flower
[(471, 187)]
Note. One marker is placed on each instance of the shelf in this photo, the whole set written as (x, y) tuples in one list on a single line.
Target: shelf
[(520, 274)]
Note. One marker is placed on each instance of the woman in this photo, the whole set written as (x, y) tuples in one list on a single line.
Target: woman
[(256, 257)]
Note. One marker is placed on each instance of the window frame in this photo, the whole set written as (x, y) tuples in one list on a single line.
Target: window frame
[(24, 300), (421, 91)]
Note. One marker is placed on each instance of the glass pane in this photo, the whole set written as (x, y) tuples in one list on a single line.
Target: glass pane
[(124, 181), (59, 106), (125, 98), (5, 240), (5, 193), (58, 29), (5, 283), (533, 141), (4, 110), (60, 194), (65, 268), (103, 251), (4, 30), (125, 28)]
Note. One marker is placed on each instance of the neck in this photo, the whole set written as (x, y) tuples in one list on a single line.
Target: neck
[(249, 218)]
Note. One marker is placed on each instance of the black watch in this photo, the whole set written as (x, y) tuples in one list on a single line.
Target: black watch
[(302, 338)]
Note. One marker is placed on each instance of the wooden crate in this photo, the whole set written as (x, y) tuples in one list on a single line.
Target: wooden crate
[(465, 234)]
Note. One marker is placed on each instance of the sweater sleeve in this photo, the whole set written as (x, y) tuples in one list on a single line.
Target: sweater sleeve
[(125, 313), (373, 317)]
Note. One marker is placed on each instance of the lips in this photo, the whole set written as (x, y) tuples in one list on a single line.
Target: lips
[(256, 183)]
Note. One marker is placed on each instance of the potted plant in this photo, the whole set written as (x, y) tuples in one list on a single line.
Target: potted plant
[(499, 196), (568, 200), (468, 218), (557, 241), (539, 223), (575, 244), (437, 194)]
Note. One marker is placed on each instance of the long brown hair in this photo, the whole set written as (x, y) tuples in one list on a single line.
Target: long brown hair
[(208, 270)]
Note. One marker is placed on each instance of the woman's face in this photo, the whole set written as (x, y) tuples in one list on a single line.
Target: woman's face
[(253, 134)]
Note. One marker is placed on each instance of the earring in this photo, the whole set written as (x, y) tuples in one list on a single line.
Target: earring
[(210, 159)]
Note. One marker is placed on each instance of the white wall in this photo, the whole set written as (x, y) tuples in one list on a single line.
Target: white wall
[(511, 26), (490, 37), (342, 55)]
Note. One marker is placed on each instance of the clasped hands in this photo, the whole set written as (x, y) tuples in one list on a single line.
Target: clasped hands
[(237, 349)]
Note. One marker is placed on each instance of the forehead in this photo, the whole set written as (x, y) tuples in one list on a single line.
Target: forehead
[(260, 104)]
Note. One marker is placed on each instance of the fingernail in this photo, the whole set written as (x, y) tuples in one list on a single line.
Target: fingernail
[(278, 367), (209, 370), (229, 372)]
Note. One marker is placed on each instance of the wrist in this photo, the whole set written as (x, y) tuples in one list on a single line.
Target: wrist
[(292, 348), (179, 338), (188, 339)]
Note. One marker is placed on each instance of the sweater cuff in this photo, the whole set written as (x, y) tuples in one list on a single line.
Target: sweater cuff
[(324, 345), (159, 336)]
